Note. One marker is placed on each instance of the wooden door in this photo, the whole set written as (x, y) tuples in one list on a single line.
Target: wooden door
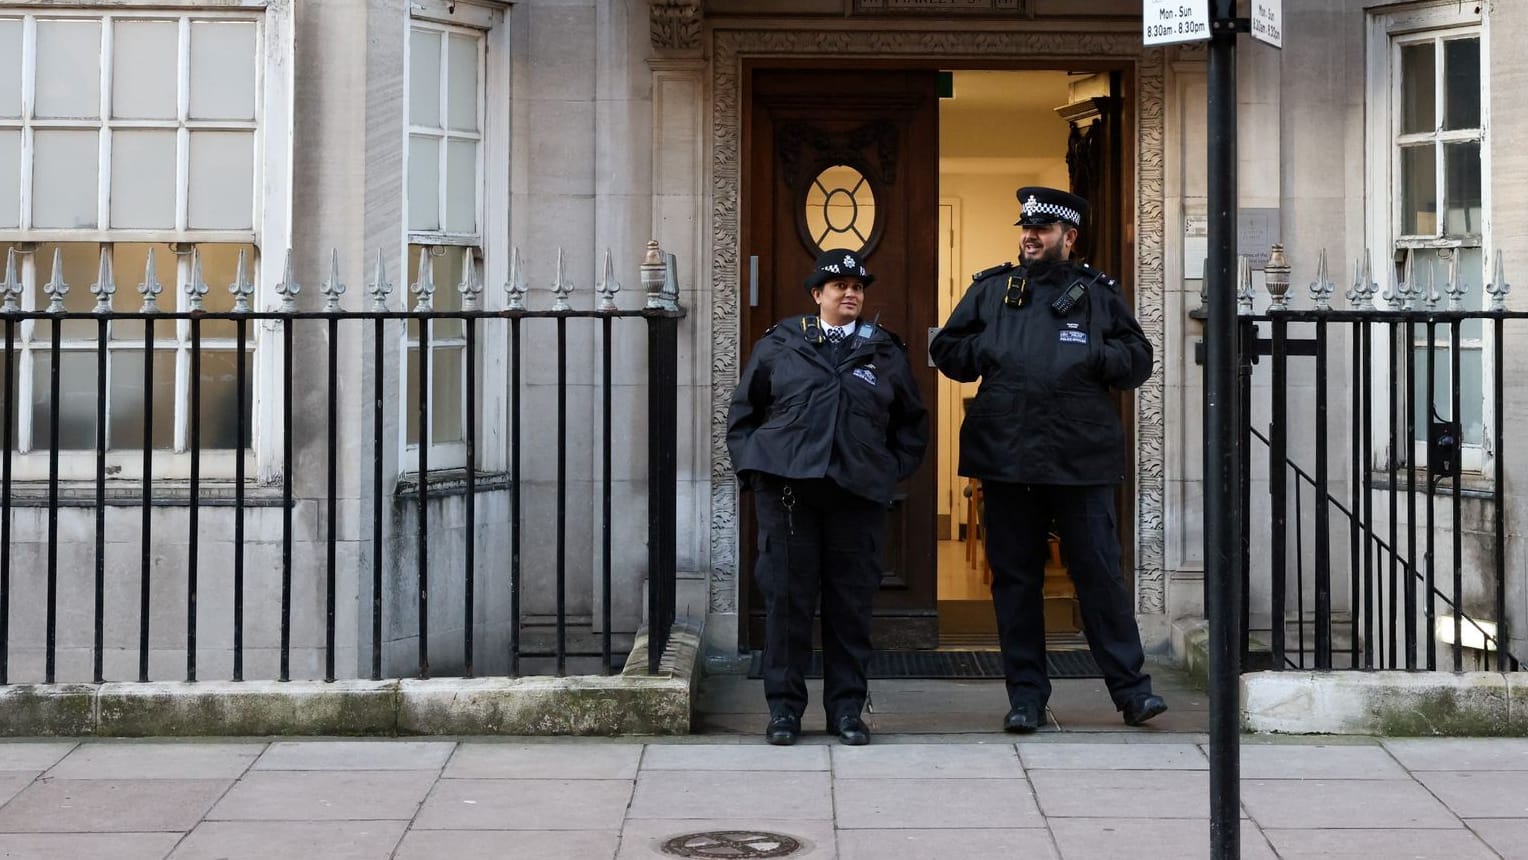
[(850, 159)]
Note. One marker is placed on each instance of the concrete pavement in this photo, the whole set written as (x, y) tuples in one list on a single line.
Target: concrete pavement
[(937, 783)]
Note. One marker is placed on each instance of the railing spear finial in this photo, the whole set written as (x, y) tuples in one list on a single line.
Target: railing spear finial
[(332, 288), (56, 288), (470, 287), (105, 286), (561, 287), (379, 288), (150, 288), (424, 288), (609, 286), (1322, 287), (1498, 288)]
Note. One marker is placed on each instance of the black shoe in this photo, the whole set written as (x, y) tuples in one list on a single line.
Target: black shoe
[(1142, 708), (783, 729), (1024, 718), (851, 730)]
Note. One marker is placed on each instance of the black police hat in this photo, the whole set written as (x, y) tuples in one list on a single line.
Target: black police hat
[(1041, 206), (838, 263)]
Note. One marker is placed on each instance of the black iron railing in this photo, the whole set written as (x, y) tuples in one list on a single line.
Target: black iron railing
[(348, 333), (1378, 462)]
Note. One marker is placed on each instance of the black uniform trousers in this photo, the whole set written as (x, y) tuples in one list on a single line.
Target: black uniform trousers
[(1017, 520), (816, 541)]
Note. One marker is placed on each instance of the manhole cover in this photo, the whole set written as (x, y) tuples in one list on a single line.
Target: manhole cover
[(732, 844)]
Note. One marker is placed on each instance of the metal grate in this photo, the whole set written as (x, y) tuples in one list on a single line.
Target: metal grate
[(735, 844), (950, 664)]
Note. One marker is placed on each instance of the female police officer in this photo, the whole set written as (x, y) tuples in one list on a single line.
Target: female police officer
[(826, 419)]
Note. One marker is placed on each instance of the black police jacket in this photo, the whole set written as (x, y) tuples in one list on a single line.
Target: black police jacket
[(858, 422), (1043, 413)]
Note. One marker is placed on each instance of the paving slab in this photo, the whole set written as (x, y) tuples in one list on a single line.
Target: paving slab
[(1480, 794), (1371, 844), (32, 755), (1460, 753), (89, 846), (927, 761), (642, 839), (540, 844), (783, 796), (348, 755), (111, 806), (885, 804), (276, 795), (1121, 794), (1343, 761), (13, 783), (1178, 838), (1343, 803), (525, 804), (488, 760), (1117, 756), (754, 756), (132, 760), (261, 840), (1030, 844), (1508, 836)]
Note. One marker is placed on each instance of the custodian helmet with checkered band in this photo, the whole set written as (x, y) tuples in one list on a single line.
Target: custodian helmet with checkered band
[(838, 263)]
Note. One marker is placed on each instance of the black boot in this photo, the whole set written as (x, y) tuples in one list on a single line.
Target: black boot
[(783, 729)]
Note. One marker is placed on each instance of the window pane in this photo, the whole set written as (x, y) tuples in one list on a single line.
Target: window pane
[(81, 262), (219, 412), (10, 179), (144, 58), (446, 395), (223, 70), (10, 67), (448, 296), (8, 376), (64, 178), (1461, 84), (222, 191), (129, 262), (76, 400), (1461, 189), (424, 78), (1418, 89), (220, 268), (463, 75), (1431, 270), (143, 179), (424, 182), (125, 423), (1419, 205), (68, 69), (461, 186)]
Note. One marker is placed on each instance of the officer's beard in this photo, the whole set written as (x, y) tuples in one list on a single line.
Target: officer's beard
[(1047, 257)]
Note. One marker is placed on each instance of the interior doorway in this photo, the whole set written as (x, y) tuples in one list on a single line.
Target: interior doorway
[(1001, 130)]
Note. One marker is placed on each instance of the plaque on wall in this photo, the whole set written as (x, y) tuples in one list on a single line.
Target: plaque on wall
[(1005, 8)]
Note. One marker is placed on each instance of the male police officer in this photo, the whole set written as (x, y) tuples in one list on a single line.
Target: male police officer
[(825, 421), (1049, 339)]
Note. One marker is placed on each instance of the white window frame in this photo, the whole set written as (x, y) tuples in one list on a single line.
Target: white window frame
[(489, 21), (271, 233), (1388, 31)]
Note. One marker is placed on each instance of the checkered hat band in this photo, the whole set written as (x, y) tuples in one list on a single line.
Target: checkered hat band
[(1065, 213)]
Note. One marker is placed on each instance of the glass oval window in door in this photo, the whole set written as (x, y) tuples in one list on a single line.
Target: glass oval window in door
[(839, 209)]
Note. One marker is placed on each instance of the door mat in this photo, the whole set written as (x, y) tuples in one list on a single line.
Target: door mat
[(966, 665)]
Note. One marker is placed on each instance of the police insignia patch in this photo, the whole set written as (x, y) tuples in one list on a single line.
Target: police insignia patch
[(865, 373)]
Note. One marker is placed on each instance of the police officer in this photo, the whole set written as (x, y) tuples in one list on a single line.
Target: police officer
[(825, 421), (1048, 339)]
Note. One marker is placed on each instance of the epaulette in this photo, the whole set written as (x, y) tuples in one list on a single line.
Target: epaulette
[(995, 270), (896, 339), (1100, 277)]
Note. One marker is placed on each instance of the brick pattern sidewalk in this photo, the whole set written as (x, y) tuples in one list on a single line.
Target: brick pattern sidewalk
[(1066, 796)]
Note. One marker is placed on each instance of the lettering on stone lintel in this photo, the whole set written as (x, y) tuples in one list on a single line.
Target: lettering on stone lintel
[(1005, 8)]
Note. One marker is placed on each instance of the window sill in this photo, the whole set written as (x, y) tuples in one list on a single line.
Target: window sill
[(124, 492), (1471, 485), (449, 482)]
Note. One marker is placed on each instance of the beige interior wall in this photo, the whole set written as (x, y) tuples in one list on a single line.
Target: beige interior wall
[(999, 133)]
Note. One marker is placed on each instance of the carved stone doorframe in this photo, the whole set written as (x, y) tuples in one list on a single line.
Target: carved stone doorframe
[(730, 48)]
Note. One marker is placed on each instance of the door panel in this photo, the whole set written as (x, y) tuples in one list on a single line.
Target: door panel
[(817, 141)]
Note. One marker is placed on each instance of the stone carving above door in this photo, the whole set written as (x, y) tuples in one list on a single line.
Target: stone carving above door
[(1005, 8), (675, 25)]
